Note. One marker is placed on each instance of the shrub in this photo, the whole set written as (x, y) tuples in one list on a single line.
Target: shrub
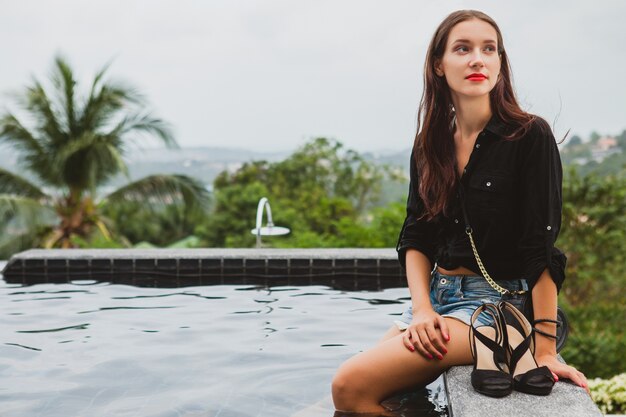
[(609, 394), (597, 342)]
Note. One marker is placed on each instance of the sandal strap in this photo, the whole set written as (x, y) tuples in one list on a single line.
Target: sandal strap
[(543, 333), (546, 334), (557, 322), (490, 343), (519, 351), (498, 350)]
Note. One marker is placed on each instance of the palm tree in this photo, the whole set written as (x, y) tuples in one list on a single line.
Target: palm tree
[(70, 146)]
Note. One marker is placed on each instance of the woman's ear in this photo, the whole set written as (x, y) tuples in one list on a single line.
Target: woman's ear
[(438, 69)]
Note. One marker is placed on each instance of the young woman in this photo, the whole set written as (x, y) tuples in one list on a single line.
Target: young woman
[(474, 137)]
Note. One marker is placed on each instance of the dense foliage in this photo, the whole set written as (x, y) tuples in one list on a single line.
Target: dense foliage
[(597, 341), (322, 192), (594, 236)]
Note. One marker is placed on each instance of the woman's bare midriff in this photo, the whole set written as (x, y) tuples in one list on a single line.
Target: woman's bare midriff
[(457, 271)]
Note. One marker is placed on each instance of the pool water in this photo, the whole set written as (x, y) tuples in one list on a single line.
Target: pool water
[(96, 349)]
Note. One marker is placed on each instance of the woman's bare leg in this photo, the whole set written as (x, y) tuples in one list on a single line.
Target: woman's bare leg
[(392, 332), (370, 377), (322, 405)]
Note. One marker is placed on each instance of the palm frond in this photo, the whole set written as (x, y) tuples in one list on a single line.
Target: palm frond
[(31, 151), (11, 183), (47, 117), (16, 135), (157, 191), (103, 229), (63, 80), (145, 123), (20, 214), (105, 101), (90, 160)]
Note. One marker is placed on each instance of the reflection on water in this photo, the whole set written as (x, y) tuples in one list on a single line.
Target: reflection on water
[(96, 349)]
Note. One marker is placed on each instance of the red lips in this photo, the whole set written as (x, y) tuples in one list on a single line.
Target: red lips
[(476, 76)]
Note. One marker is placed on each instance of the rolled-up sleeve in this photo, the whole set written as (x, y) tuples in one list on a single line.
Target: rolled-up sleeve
[(415, 234), (541, 203)]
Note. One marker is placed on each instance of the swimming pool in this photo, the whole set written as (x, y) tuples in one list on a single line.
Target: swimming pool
[(89, 348)]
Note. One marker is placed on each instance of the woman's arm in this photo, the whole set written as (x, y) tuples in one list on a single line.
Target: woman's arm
[(418, 269), (416, 253), (544, 296), (543, 264), (416, 232), (541, 177), (422, 334)]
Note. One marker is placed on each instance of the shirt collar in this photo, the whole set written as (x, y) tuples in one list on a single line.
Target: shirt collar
[(496, 126)]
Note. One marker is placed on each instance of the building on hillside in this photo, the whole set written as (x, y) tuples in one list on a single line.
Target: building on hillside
[(605, 146)]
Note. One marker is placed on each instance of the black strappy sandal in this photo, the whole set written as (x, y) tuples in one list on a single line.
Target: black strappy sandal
[(527, 375), (490, 375)]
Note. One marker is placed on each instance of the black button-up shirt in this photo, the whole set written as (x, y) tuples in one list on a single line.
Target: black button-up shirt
[(512, 192)]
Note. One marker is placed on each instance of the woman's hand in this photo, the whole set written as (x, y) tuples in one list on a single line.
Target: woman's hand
[(427, 333), (561, 370)]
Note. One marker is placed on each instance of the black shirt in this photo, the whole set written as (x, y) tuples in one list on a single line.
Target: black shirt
[(513, 200)]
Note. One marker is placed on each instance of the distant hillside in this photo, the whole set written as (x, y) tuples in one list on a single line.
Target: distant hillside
[(203, 163)]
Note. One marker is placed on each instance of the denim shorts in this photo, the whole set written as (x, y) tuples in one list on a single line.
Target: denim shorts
[(457, 296)]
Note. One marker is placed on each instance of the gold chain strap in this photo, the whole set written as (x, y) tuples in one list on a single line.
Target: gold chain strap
[(491, 282)]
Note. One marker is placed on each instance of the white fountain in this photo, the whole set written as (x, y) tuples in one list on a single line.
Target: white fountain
[(269, 229)]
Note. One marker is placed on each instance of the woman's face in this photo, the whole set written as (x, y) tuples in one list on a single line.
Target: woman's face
[(471, 49)]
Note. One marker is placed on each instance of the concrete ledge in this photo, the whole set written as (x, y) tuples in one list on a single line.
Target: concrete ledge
[(566, 399), (346, 269)]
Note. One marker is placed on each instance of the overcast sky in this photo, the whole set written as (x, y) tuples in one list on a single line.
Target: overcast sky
[(272, 74)]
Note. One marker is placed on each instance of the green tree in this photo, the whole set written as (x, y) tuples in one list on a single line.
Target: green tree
[(574, 141), (593, 138), (158, 227), (594, 236), (69, 146), (322, 192), (621, 140)]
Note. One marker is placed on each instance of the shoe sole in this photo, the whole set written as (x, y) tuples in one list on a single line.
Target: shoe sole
[(529, 390), (495, 394)]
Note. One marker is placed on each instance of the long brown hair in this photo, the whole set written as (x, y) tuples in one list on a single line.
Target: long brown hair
[(434, 145)]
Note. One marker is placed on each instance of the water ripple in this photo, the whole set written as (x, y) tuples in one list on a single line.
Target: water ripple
[(51, 292), (125, 308), (41, 299), (167, 295), (23, 346), (58, 329)]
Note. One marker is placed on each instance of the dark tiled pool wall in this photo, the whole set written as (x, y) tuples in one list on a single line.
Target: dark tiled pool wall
[(349, 269)]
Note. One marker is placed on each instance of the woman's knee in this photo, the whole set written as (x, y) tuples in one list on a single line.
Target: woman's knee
[(348, 386)]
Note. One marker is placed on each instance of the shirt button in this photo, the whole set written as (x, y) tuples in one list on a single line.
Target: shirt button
[(456, 220), (482, 133), (443, 281), (489, 185), (549, 227), (464, 170), (477, 145)]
